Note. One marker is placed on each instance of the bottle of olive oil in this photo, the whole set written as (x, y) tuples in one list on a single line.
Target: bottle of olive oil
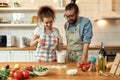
[(102, 58)]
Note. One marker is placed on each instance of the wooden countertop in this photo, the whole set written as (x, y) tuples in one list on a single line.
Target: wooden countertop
[(60, 73), (93, 47), (16, 48), (97, 47)]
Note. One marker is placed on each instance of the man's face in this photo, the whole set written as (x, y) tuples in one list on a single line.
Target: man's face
[(71, 16)]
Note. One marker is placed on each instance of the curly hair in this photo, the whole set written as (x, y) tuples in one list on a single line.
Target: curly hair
[(45, 12)]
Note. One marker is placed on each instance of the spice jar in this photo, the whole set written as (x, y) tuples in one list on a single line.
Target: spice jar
[(34, 19)]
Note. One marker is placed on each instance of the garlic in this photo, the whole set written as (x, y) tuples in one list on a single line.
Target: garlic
[(72, 72)]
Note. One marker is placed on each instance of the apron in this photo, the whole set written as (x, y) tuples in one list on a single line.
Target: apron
[(74, 45), (47, 53)]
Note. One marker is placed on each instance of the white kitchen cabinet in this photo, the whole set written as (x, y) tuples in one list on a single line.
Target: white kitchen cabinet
[(5, 56), (19, 56), (23, 56), (31, 55)]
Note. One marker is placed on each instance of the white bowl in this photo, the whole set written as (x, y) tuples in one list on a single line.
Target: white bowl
[(41, 73)]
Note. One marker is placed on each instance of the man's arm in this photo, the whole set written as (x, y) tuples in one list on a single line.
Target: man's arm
[(85, 52), (86, 37)]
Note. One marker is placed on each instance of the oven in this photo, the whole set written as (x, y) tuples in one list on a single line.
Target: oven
[(111, 55)]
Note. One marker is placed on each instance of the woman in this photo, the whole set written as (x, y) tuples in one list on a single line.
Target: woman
[(46, 37)]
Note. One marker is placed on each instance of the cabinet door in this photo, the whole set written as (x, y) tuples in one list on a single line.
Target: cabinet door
[(31, 56), (5, 56), (19, 56)]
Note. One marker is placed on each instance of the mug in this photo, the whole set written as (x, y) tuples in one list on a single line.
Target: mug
[(23, 41), (61, 56)]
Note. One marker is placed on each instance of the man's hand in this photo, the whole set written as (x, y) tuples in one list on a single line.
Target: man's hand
[(84, 60)]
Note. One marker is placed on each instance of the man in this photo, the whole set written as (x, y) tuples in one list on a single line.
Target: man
[(78, 34)]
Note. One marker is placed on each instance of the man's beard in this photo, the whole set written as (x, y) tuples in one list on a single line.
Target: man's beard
[(72, 21)]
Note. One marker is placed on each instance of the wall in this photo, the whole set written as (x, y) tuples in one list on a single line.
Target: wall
[(89, 8), (110, 31)]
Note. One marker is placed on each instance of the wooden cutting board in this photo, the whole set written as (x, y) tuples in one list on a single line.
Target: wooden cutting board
[(116, 65)]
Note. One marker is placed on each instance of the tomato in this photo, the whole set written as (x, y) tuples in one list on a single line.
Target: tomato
[(80, 66), (81, 63), (18, 75), (12, 72), (88, 66), (84, 68), (25, 74)]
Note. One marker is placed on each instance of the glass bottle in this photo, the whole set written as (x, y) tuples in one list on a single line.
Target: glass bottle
[(102, 58)]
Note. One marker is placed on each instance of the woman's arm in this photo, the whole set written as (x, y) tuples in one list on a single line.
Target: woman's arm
[(34, 41)]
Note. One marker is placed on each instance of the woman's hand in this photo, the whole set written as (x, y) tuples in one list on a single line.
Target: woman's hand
[(41, 41)]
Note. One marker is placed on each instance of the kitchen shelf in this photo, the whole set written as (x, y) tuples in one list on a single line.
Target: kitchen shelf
[(25, 9), (15, 25)]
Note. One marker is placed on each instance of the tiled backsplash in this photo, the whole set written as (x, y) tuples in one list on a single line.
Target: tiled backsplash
[(109, 34)]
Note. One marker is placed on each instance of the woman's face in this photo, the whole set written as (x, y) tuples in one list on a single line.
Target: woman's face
[(48, 22)]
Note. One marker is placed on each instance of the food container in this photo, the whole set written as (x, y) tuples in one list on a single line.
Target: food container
[(34, 19), (61, 56)]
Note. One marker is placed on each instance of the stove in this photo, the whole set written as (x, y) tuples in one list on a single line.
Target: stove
[(111, 55)]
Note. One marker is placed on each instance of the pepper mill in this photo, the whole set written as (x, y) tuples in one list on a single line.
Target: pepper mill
[(92, 65)]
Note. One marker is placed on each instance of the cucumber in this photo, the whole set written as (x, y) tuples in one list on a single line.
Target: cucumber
[(40, 68)]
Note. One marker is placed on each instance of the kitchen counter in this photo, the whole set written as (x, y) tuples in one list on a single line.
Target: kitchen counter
[(60, 73), (16, 48), (92, 47), (97, 47)]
